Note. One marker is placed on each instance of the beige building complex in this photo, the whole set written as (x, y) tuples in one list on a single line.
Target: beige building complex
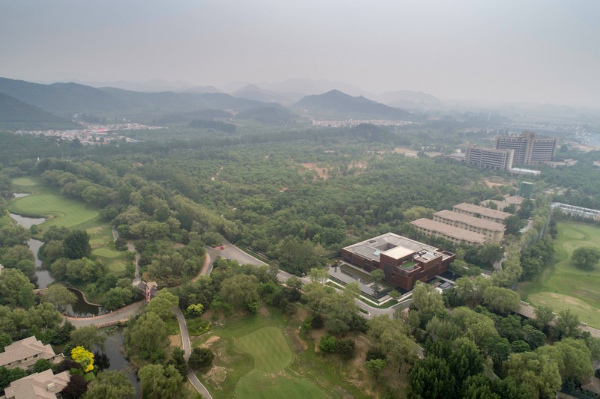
[(492, 231), (528, 149), (481, 212), (26, 352), (489, 158), (448, 232), (44, 385)]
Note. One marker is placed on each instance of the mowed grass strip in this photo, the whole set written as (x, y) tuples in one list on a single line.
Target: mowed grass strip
[(61, 211), (24, 182), (268, 347), (564, 286), (259, 385)]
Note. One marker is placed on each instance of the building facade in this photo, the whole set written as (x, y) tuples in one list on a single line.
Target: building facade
[(493, 232), (528, 149), (481, 212), (455, 235), (489, 158), (404, 261)]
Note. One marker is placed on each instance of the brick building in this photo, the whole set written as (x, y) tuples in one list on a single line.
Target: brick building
[(404, 261)]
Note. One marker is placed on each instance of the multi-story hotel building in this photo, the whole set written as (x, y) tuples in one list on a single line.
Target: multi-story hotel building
[(529, 149), (490, 158)]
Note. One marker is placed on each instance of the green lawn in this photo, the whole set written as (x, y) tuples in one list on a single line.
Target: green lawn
[(256, 357), (562, 285), (46, 201)]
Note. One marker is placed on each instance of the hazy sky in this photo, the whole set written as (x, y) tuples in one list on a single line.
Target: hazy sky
[(504, 50)]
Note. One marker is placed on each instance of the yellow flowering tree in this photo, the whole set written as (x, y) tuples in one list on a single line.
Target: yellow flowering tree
[(83, 357)]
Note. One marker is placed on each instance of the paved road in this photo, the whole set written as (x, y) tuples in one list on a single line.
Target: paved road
[(187, 348), (118, 315), (234, 253)]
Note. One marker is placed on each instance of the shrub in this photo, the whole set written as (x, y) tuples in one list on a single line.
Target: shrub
[(375, 353), (201, 358), (317, 322), (346, 348), (328, 344)]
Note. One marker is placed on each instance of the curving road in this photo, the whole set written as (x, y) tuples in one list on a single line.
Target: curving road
[(234, 253), (187, 348)]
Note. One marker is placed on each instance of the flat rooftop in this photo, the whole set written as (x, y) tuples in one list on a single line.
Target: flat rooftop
[(449, 231), (470, 220), (488, 212), (392, 245)]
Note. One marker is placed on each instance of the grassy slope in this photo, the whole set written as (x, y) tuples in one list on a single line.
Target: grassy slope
[(46, 201), (258, 361), (562, 285)]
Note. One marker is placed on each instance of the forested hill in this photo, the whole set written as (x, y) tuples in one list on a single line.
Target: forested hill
[(270, 114), (66, 99), (340, 105), (17, 113), (63, 99)]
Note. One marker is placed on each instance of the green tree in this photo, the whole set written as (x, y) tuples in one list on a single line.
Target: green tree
[(53, 251), (318, 275), (327, 344), (59, 296), (428, 301), (163, 303), (543, 316), (110, 385), (572, 356), (567, 324), (15, 289), (586, 257), (501, 300), (490, 253), (464, 360), (88, 337), (377, 276), (537, 373), (147, 336), (195, 309), (159, 382), (294, 283), (201, 358), (178, 361), (513, 225), (240, 290), (430, 379), (77, 245), (375, 366), (42, 365)]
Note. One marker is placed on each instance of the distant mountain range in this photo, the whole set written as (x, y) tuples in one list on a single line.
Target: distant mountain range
[(335, 104), (18, 113), (250, 102), (67, 99)]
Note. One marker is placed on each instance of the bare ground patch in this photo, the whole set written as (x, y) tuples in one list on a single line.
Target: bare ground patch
[(175, 340), (322, 172)]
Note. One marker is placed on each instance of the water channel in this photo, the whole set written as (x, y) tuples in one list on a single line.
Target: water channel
[(81, 308), (118, 362), (114, 339)]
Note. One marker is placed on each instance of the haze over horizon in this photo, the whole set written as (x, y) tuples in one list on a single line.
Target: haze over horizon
[(494, 51)]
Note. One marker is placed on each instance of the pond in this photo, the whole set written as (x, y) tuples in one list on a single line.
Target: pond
[(43, 276), (118, 362), (83, 308)]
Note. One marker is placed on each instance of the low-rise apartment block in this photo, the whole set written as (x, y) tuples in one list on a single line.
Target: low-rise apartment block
[(404, 261), (455, 235), (492, 231), (481, 212), (26, 352), (44, 385)]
